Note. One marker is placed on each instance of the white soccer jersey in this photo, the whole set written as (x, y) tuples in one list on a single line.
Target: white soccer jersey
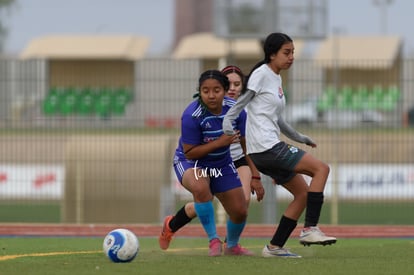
[(264, 110)]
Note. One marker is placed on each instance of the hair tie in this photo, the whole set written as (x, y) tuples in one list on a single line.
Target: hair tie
[(231, 68)]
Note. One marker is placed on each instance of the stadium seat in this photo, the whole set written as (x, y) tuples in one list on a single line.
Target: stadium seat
[(393, 92), (86, 102), (103, 102), (376, 97), (344, 99), (51, 104), (69, 101), (360, 98), (327, 100), (119, 102), (126, 92), (390, 99)]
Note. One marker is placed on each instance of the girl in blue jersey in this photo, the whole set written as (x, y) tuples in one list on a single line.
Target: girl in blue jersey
[(203, 164), (248, 173)]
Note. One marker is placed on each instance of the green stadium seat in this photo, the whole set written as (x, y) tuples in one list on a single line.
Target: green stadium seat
[(375, 97), (51, 104), (378, 91), (86, 102), (387, 104), (390, 99), (69, 102), (126, 92), (360, 98), (119, 102), (327, 100), (344, 99), (393, 92), (103, 103)]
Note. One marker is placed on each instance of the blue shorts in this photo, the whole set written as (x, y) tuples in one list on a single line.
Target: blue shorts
[(222, 178), (278, 162)]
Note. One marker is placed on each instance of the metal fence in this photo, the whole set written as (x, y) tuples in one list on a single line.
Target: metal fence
[(84, 153)]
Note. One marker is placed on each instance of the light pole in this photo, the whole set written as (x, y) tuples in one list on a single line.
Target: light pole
[(383, 5)]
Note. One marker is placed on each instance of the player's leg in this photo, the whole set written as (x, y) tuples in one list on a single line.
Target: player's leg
[(173, 223), (298, 188), (278, 163), (230, 193), (199, 186), (183, 216), (245, 176), (319, 171)]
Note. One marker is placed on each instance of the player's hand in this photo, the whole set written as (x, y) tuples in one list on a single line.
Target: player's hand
[(257, 187), (229, 139), (309, 142)]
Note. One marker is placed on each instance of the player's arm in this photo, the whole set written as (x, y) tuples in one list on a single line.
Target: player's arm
[(255, 183), (291, 133), (201, 150), (234, 111)]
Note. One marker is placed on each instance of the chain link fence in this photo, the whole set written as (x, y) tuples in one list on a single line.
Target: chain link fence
[(92, 142)]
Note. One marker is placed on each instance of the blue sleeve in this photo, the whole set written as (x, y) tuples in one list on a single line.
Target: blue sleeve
[(190, 130)]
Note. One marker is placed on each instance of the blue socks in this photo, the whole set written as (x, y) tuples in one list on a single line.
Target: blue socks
[(205, 213), (233, 232)]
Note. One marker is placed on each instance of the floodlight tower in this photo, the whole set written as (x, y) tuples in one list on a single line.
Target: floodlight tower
[(383, 5)]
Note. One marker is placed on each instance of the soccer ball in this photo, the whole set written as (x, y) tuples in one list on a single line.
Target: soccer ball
[(121, 245)]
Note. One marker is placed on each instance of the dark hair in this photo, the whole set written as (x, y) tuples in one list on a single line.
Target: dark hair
[(215, 74), (271, 45)]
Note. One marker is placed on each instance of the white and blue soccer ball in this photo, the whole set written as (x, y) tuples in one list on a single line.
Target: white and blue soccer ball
[(121, 245)]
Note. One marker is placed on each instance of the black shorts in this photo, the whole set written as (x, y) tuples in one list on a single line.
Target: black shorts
[(278, 162), (240, 162)]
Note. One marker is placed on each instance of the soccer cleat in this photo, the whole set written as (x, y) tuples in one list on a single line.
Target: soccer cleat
[(313, 235), (166, 234), (279, 252), (237, 251), (215, 248)]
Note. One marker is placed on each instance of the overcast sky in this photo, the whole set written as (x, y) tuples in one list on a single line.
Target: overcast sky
[(155, 19)]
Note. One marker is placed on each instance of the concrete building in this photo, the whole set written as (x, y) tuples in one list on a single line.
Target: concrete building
[(192, 16)]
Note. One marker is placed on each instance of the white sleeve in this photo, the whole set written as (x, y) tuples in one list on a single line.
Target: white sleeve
[(234, 111), (291, 133)]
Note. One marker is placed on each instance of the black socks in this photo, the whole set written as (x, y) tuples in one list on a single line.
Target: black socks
[(285, 228), (313, 208), (179, 220)]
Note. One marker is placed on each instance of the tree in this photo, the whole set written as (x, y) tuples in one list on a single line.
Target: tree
[(5, 5)]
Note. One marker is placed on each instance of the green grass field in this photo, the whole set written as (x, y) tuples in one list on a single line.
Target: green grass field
[(356, 212), (189, 256)]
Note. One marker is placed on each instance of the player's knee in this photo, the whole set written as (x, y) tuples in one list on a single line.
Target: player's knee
[(240, 216), (323, 170), (301, 196)]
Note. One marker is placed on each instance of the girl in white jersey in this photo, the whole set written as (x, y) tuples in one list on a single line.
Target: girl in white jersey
[(248, 173), (265, 102)]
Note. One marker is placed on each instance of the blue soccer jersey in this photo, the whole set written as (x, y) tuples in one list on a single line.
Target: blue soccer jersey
[(199, 126)]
